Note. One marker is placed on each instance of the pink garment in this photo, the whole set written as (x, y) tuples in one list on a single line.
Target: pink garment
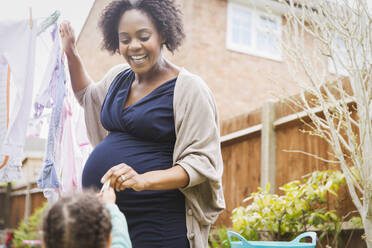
[(74, 146)]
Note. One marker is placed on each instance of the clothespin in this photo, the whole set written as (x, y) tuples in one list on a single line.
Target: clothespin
[(30, 18), (48, 22)]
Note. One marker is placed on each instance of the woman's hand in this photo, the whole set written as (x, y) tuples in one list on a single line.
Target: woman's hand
[(107, 196), (68, 38), (123, 176)]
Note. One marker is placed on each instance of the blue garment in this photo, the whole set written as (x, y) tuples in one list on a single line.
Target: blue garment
[(48, 177), (142, 136)]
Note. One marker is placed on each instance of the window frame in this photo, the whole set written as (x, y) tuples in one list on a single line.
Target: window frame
[(333, 67), (252, 50)]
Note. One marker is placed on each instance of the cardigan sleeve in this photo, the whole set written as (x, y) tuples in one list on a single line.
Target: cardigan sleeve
[(200, 135), (91, 99), (94, 92), (197, 147)]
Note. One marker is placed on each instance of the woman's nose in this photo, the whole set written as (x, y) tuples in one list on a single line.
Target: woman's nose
[(134, 45)]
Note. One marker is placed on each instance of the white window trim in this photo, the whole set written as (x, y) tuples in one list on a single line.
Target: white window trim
[(246, 49), (344, 57), (335, 68), (332, 69)]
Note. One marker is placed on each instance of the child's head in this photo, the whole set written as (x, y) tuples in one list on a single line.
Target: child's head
[(80, 220)]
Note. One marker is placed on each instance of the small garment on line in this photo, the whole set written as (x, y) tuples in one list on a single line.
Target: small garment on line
[(48, 177), (74, 147), (17, 50), (46, 96), (7, 173)]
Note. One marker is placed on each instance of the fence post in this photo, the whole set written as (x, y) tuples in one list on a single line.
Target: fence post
[(268, 146), (27, 202), (7, 205)]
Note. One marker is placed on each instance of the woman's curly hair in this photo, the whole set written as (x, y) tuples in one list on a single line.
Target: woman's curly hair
[(77, 221), (164, 14)]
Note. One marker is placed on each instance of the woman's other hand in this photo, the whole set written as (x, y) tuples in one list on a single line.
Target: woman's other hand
[(123, 176), (68, 38), (108, 195)]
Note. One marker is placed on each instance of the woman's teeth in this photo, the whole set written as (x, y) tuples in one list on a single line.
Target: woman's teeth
[(138, 57)]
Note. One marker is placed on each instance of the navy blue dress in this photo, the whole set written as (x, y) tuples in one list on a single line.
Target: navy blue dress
[(142, 136)]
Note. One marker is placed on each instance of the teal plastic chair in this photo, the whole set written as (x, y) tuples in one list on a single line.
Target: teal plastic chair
[(243, 243)]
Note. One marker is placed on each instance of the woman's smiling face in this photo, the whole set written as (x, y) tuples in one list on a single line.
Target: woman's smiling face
[(139, 41)]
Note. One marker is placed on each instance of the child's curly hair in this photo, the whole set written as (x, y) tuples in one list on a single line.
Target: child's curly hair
[(77, 221)]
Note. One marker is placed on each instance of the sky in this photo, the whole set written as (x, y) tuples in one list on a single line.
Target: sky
[(75, 11)]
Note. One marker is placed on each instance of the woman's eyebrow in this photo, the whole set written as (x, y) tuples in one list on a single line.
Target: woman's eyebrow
[(138, 31), (142, 30)]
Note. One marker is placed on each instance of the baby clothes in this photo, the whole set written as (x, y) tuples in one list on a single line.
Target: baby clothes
[(4, 104), (48, 177), (46, 96), (67, 146), (17, 50), (72, 153), (7, 173)]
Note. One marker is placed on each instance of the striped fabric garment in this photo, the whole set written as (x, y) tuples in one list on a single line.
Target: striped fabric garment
[(17, 51), (7, 173)]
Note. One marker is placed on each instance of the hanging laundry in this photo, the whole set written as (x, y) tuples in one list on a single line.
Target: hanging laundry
[(17, 51), (7, 173), (48, 177), (35, 126), (68, 146), (4, 103), (74, 147), (46, 96), (52, 195)]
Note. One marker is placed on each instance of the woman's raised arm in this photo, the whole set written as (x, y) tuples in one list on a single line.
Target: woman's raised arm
[(79, 77)]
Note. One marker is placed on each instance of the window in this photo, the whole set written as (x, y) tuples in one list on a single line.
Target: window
[(253, 32), (341, 58)]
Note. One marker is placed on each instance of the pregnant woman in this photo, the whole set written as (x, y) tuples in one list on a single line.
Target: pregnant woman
[(154, 126)]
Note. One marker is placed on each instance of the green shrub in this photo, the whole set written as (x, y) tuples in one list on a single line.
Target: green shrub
[(302, 207), (29, 229), (218, 238)]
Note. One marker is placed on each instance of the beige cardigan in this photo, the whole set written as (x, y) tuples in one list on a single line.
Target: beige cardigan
[(197, 148)]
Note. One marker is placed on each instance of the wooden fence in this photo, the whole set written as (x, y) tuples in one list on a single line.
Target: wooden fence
[(253, 147), (253, 150), (19, 203)]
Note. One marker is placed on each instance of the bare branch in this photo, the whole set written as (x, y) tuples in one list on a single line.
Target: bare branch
[(314, 156)]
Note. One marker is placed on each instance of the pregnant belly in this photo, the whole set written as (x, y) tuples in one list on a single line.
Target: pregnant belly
[(118, 147), (159, 216)]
